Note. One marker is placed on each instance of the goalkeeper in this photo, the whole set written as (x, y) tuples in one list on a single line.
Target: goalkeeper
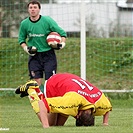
[(61, 84), (35, 28)]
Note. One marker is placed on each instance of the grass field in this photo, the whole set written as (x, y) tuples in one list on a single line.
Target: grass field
[(109, 62), (109, 66), (17, 115)]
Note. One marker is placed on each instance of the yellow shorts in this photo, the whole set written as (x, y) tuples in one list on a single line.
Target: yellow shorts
[(102, 106), (69, 104)]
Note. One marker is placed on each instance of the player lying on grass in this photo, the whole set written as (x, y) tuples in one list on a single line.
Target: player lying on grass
[(61, 84)]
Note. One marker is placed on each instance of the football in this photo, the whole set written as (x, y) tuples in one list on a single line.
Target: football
[(53, 39)]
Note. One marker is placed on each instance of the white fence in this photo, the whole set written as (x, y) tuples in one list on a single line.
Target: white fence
[(107, 91)]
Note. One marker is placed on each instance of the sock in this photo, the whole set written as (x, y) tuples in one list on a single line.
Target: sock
[(40, 94), (34, 99), (41, 88)]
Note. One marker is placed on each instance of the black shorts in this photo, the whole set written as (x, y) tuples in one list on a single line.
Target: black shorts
[(42, 63)]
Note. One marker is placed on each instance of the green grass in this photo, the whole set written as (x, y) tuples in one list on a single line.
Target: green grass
[(17, 115), (109, 62)]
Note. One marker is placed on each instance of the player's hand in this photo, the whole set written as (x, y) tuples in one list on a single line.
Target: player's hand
[(31, 50), (60, 45), (105, 124)]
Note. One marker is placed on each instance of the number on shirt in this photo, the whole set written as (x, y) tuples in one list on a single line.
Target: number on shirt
[(80, 83)]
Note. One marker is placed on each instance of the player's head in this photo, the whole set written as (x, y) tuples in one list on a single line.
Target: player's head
[(33, 2), (85, 119), (34, 8)]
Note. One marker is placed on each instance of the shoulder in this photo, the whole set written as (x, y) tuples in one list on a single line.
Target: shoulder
[(46, 18), (25, 21)]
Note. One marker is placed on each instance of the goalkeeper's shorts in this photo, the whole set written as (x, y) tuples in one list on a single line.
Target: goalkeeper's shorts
[(42, 62)]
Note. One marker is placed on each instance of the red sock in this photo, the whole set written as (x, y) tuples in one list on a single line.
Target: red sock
[(40, 94)]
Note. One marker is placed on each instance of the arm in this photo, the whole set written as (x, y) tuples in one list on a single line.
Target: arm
[(63, 39), (22, 41), (42, 115), (29, 50), (23, 45), (105, 119), (22, 37)]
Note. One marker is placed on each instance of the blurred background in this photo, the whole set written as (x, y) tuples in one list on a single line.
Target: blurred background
[(99, 45)]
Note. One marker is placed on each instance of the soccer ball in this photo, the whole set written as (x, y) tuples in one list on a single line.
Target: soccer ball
[(53, 39)]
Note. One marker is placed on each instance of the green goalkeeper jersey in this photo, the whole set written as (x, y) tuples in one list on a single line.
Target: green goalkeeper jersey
[(37, 31)]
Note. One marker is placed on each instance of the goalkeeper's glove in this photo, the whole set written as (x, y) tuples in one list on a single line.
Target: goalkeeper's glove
[(58, 46), (61, 45), (31, 50)]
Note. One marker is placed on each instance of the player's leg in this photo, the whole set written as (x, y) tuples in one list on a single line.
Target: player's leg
[(39, 81), (31, 89), (50, 64), (52, 118), (36, 69), (32, 84), (39, 107), (56, 119), (34, 99), (61, 119), (39, 93)]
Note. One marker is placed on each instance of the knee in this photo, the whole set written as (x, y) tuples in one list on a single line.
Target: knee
[(39, 81)]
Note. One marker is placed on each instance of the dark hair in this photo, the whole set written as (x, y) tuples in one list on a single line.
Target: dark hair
[(34, 2), (85, 119)]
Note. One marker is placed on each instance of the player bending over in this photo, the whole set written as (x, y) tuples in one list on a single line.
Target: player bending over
[(70, 104), (62, 84)]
